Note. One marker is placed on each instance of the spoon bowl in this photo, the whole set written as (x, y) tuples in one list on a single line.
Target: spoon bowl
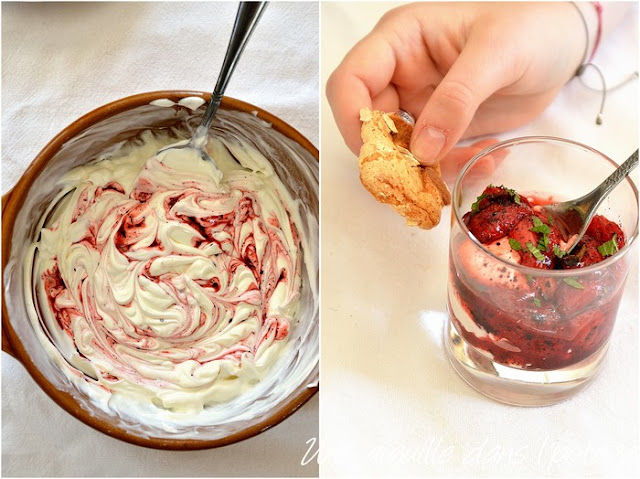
[(573, 217), (246, 20)]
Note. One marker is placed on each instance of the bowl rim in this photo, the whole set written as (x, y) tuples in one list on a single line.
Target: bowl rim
[(12, 202)]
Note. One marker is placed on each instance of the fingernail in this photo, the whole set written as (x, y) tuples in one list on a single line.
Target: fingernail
[(429, 144)]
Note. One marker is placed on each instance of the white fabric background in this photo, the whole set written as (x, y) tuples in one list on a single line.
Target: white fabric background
[(391, 403), (60, 61)]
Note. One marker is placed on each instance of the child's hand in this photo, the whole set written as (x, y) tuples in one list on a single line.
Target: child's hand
[(461, 69)]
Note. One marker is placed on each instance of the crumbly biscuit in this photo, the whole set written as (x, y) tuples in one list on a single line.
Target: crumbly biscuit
[(392, 174)]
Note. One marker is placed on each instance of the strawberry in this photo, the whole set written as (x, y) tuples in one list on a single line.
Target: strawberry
[(495, 212), (603, 230), (593, 329), (573, 296), (534, 239), (584, 254), (496, 219)]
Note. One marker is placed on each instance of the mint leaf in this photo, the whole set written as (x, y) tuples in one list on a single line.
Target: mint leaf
[(537, 301), (550, 220), (574, 283), (539, 226), (543, 243), (515, 244), (610, 247), (475, 207), (512, 192), (558, 252), (535, 251)]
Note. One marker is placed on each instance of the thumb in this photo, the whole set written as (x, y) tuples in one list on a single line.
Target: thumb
[(473, 77)]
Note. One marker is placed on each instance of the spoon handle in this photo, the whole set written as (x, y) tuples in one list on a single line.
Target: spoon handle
[(588, 204), (246, 20), (617, 176)]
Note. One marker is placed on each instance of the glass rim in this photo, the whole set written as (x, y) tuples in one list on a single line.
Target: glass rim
[(630, 240)]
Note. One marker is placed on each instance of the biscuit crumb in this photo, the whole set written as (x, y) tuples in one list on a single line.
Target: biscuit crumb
[(365, 114)]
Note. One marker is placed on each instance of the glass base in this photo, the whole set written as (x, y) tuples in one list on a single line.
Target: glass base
[(515, 386)]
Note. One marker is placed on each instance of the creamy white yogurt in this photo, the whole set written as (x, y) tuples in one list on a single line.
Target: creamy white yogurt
[(162, 292)]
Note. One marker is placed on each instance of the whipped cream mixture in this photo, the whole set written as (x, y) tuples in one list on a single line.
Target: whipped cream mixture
[(157, 285)]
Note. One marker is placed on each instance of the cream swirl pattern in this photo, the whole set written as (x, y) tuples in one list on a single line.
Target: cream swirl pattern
[(156, 283)]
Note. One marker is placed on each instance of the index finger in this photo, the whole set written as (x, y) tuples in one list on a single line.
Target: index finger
[(363, 74)]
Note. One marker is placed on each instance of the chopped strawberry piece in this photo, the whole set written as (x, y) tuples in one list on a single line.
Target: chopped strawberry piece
[(536, 246), (496, 220), (496, 211), (584, 254), (572, 296), (603, 230)]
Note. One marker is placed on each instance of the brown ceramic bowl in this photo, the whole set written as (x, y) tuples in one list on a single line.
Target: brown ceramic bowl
[(80, 142)]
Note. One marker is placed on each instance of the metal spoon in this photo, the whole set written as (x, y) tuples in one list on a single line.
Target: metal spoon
[(246, 20), (573, 217)]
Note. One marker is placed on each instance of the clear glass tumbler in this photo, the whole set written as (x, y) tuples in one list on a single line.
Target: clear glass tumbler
[(522, 335)]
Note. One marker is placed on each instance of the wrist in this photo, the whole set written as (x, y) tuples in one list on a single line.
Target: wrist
[(591, 17)]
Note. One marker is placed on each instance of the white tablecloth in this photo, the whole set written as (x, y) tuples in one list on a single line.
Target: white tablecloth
[(60, 61), (391, 403)]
